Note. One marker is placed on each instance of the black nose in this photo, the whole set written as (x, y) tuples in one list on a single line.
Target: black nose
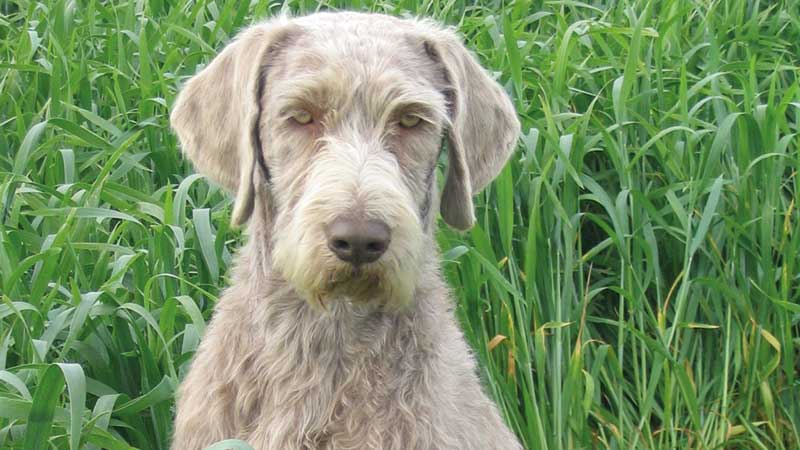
[(358, 241)]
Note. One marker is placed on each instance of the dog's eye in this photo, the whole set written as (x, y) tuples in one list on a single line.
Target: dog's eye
[(302, 117), (409, 120)]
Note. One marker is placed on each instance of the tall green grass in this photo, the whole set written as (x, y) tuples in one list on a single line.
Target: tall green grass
[(632, 281)]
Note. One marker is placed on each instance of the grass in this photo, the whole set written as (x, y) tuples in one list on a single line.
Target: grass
[(632, 282)]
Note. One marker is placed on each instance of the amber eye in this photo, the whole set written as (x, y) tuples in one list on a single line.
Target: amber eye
[(302, 117), (409, 120)]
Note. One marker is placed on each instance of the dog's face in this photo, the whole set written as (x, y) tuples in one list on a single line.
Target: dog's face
[(355, 131), (343, 116)]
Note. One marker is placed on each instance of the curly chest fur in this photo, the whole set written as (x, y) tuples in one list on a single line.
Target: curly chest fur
[(336, 380)]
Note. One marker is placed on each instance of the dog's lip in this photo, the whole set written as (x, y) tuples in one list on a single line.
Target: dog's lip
[(360, 276), (354, 273)]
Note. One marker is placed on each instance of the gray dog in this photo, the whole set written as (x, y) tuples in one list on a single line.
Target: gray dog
[(338, 331)]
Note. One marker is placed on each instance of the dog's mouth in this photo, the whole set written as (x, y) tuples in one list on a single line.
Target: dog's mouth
[(360, 284)]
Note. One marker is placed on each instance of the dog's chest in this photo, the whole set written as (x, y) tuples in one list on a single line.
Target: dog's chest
[(323, 386), (353, 412)]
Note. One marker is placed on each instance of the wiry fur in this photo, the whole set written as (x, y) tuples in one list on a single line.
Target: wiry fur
[(304, 350)]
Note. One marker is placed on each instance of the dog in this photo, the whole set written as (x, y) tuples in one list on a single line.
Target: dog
[(338, 331)]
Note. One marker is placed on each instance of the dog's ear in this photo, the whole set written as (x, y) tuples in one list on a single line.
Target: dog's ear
[(483, 131), (216, 114)]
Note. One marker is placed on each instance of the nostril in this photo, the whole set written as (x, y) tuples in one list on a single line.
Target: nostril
[(376, 246), (340, 244)]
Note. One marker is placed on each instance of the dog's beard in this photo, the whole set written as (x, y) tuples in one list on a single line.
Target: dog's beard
[(358, 284), (367, 285)]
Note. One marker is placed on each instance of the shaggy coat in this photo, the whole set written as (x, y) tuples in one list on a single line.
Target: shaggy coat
[(309, 120)]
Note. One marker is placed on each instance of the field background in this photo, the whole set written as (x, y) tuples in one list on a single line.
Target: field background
[(632, 282)]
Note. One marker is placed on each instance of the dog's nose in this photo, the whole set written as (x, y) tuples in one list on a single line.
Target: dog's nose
[(358, 241)]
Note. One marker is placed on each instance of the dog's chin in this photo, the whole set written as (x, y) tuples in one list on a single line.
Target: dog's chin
[(368, 285)]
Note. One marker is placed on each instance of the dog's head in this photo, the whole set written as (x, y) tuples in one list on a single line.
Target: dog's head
[(334, 124)]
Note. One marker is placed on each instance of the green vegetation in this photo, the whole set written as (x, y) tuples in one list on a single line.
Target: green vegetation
[(632, 282)]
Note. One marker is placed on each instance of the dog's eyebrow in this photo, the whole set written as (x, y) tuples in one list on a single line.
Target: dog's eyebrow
[(421, 106), (310, 91), (396, 91)]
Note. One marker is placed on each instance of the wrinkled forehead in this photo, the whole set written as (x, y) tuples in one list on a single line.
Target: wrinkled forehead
[(334, 64)]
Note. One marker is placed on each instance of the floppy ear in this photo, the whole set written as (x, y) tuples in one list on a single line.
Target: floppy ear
[(483, 132), (216, 115)]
